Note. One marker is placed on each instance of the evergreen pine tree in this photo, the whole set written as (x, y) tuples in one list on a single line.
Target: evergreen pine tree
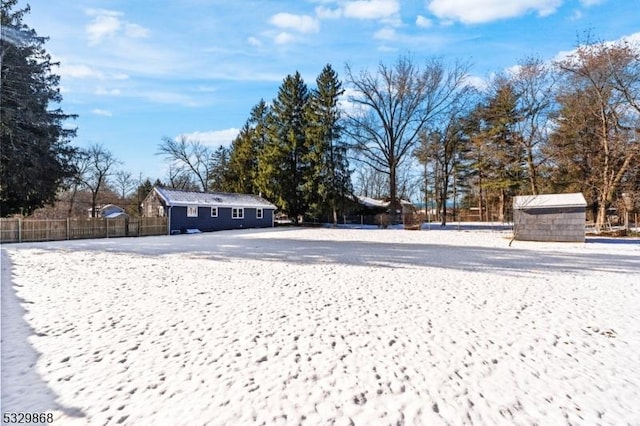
[(245, 150), (219, 169), (504, 152), (328, 179), (35, 157), (283, 162)]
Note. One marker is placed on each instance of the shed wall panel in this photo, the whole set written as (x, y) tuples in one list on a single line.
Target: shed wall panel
[(547, 225)]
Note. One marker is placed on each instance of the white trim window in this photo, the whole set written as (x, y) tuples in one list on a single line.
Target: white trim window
[(237, 213), (192, 211), (214, 212), (259, 214)]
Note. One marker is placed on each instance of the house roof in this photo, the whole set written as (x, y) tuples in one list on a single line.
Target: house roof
[(174, 197), (375, 203), (372, 202), (546, 201), (111, 211)]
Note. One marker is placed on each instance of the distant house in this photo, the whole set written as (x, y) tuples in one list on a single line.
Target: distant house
[(108, 211), (382, 206), (208, 211), (550, 217), (111, 211)]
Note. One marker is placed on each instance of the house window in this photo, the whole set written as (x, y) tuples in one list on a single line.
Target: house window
[(258, 213), (192, 211), (237, 213), (160, 211), (214, 212)]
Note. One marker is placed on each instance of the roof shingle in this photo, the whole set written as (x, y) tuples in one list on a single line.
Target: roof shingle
[(173, 197)]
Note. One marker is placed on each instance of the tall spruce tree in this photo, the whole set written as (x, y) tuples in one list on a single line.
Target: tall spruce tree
[(219, 169), (283, 162), (502, 144), (35, 157), (245, 150), (328, 180)]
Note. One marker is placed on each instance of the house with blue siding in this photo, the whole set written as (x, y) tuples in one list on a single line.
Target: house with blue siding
[(187, 211)]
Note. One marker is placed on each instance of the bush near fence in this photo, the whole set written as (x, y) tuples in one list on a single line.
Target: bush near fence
[(15, 230)]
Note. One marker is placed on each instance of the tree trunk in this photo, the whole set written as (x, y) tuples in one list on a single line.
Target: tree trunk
[(72, 200), (602, 214), (481, 200), (532, 173), (443, 197), (393, 203)]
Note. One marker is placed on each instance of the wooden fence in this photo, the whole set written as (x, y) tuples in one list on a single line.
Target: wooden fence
[(16, 230)]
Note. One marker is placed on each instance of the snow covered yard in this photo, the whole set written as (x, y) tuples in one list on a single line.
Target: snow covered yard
[(322, 326)]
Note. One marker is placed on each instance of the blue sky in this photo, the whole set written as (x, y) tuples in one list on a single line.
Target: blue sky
[(136, 71)]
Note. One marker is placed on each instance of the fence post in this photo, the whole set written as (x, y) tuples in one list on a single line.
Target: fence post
[(106, 225), (19, 229), (68, 229)]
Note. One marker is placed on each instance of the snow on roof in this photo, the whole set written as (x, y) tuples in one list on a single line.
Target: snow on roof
[(372, 202), (111, 211), (173, 197), (546, 201)]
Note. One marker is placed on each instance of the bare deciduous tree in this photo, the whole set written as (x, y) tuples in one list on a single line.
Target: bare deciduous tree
[(394, 105), (188, 156), (534, 83), (125, 182), (98, 165), (603, 76)]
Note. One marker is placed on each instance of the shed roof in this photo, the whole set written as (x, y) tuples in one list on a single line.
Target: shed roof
[(174, 197), (546, 201)]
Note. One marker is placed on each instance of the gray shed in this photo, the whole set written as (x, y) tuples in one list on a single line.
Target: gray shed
[(549, 217)]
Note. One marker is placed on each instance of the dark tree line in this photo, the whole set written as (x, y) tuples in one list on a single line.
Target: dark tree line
[(36, 157)]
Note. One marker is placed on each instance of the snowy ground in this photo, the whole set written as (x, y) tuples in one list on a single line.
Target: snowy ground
[(322, 326)]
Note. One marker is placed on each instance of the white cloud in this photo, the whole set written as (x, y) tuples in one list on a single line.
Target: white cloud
[(576, 15), (284, 38), (482, 11), (105, 24), (254, 41), (78, 71), (102, 112), (423, 22), (328, 13), (345, 103), (385, 34), (371, 9), (100, 91), (212, 137), (108, 24), (163, 97), (477, 82), (136, 31), (589, 3), (206, 89), (632, 38), (301, 23)]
